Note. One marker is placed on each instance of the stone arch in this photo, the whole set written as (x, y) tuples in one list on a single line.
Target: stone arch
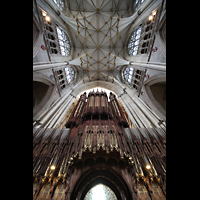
[(107, 177), (43, 93), (107, 85), (37, 35), (154, 90)]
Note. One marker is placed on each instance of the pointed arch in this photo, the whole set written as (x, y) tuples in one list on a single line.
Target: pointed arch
[(156, 99), (43, 93)]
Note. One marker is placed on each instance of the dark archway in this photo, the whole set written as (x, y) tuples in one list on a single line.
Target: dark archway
[(39, 92), (103, 176), (154, 89), (43, 93)]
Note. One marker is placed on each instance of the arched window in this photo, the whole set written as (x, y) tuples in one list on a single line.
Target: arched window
[(141, 39), (134, 77), (63, 42), (63, 77), (56, 39), (134, 42), (59, 3), (127, 74), (100, 192), (70, 74), (136, 4)]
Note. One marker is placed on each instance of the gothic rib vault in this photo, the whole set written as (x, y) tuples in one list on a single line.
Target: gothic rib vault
[(99, 34)]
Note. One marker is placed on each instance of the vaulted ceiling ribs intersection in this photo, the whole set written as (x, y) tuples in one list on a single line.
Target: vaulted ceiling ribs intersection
[(99, 32)]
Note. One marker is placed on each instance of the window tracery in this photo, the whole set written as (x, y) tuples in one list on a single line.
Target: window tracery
[(100, 192), (57, 40), (70, 74), (141, 39), (64, 77), (134, 42), (136, 5), (133, 77), (63, 42), (60, 4)]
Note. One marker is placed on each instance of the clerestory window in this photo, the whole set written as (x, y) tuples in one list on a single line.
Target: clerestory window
[(70, 74), (134, 42), (60, 3), (133, 77), (64, 77), (56, 38), (136, 4), (63, 42), (141, 39)]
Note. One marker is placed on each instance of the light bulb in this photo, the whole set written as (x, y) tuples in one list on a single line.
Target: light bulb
[(150, 17), (154, 13), (148, 166), (52, 167), (47, 18)]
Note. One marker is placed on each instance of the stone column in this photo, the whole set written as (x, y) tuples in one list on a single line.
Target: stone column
[(54, 108), (49, 66), (148, 66), (64, 111), (62, 108), (133, 120), (148, 112)]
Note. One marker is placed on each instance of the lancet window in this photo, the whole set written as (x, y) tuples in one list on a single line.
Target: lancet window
[(141, 39), (63, 42), (70, 74), (60, 3), (64, 77), (133, 77), (134, 42), (56, 38), (136, 4)]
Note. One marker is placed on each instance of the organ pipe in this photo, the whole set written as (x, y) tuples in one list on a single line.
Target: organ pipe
[(102, 101), (93, 131)]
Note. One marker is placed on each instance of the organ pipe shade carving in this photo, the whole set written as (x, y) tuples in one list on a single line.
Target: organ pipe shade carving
[(98, 140)]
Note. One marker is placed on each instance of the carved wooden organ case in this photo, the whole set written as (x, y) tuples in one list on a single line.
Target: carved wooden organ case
[(98, 146)]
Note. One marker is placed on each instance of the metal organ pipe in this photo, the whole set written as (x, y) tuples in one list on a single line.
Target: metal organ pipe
[(91, 101), (102, 101), (93, 135), (81, 105), (106, 100), (117, 108), (97, 101), (77, 108)]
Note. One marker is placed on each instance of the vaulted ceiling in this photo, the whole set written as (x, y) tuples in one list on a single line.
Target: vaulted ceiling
[(99, 32)]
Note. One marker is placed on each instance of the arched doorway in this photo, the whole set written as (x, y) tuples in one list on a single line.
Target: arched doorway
[(100, 192), (110, 183)]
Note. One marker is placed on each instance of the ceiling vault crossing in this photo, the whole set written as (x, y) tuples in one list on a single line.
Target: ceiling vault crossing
[(99, 30)]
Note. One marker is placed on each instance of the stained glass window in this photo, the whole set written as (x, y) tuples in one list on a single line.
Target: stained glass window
[(128, 74), (59, 3), (136, 5), (134, 42), (100, 192), (63, 41), (70, 74)]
